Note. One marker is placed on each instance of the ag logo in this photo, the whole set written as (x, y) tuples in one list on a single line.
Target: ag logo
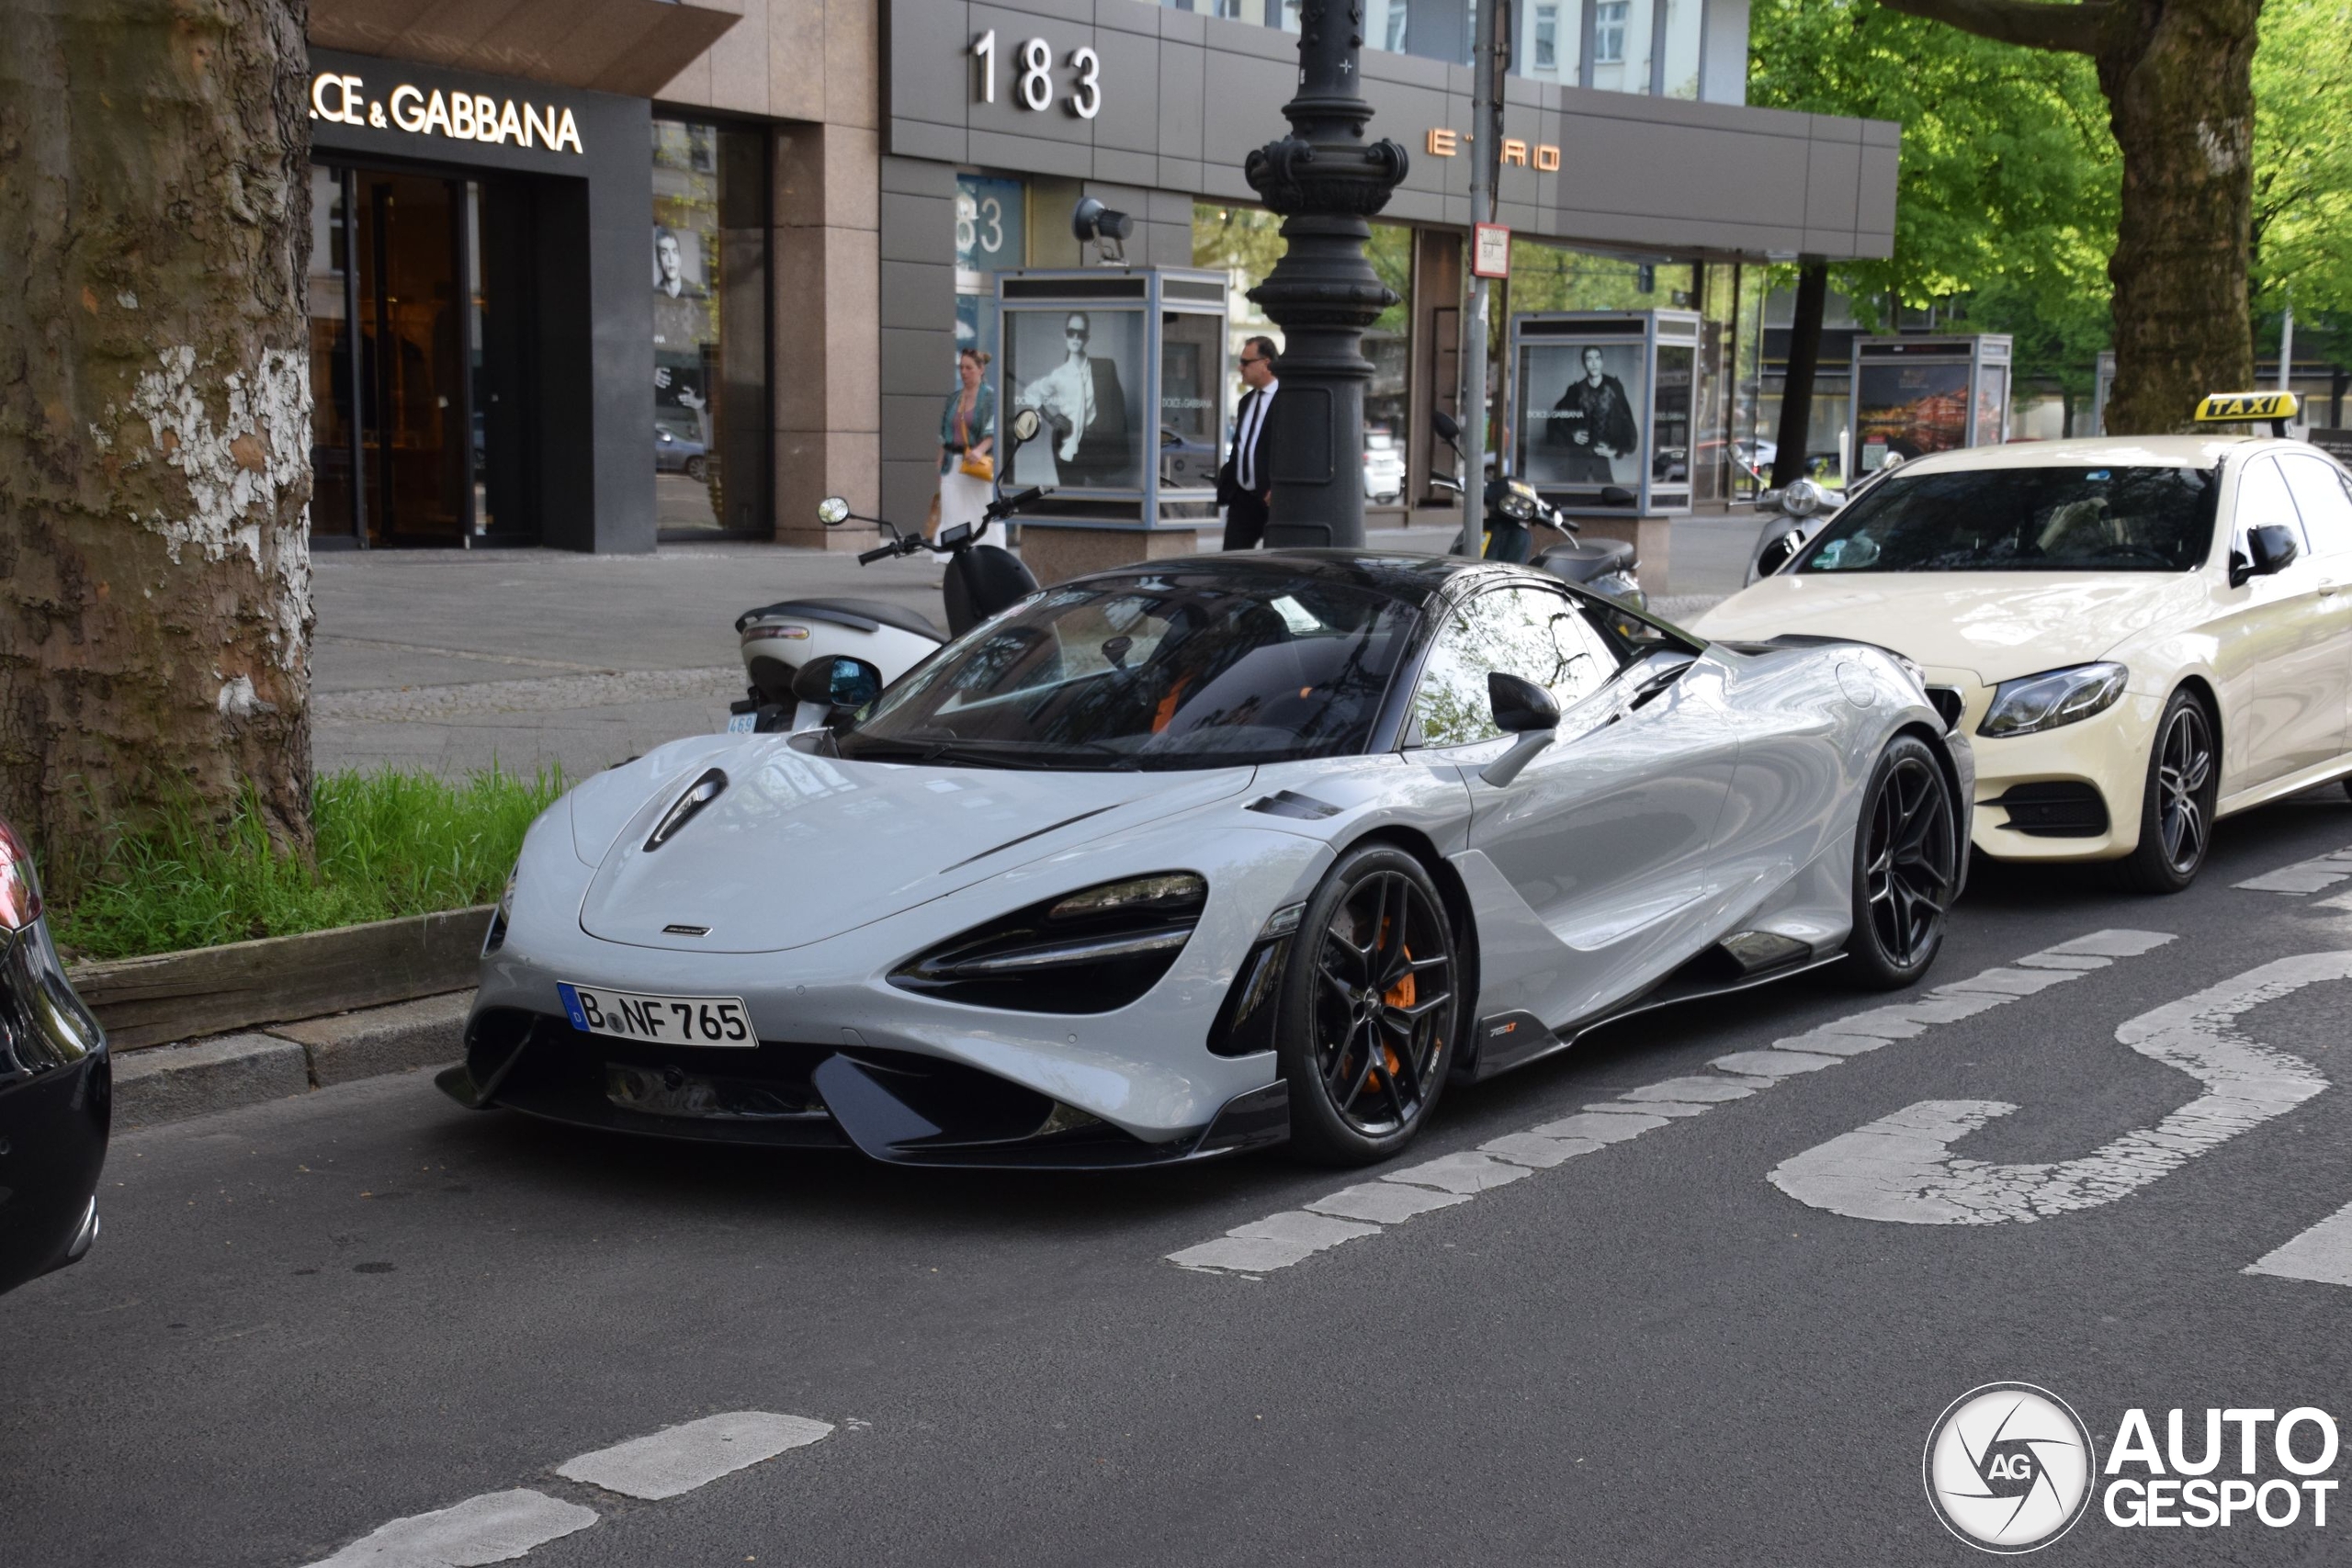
[(2008, 1467)]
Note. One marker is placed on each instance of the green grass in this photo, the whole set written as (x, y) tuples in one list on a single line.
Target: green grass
[(388, 844)]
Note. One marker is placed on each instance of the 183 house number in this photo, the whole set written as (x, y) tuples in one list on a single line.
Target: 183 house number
[(1033, 86)]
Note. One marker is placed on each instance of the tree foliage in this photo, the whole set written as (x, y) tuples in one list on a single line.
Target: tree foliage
[(2303, 156), (2008, 187)]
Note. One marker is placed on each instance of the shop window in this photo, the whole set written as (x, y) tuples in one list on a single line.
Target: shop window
[(992, 236), (707, 261)]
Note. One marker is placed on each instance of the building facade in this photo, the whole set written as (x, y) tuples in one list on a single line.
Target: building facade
[(598, 274)]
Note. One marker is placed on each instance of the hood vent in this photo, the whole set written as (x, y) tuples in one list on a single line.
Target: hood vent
[(700, 793)]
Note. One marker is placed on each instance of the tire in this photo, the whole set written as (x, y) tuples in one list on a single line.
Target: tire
[(2176, 803), (1373, 945), (697, 469), (1906, 868)]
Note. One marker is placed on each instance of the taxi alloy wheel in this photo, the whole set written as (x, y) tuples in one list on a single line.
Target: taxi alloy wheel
[(2177, 812)]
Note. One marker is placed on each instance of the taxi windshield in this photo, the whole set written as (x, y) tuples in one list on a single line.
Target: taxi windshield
[(2119, 518), (1192, 667)]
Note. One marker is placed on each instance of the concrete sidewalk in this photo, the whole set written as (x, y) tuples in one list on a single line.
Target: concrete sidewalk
[(450, 660)]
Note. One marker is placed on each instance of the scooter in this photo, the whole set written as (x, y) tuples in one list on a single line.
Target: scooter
[(779, 640), (1798, 511), (1605, 566)]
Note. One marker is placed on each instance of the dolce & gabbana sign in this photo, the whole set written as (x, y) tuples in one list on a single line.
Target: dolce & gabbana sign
[(344, 97)]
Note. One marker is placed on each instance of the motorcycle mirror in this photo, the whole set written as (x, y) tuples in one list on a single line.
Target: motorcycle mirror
[(1616, 495), (1445, 426), (833, 510), (1024, 425), (839, 681)]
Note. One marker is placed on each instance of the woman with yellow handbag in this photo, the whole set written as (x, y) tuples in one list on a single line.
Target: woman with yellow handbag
[(968, 445)]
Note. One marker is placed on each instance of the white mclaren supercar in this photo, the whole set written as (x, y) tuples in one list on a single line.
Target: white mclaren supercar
[(1199, 856)]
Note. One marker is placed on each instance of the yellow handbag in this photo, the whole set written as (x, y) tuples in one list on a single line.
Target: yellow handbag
[(977, 465)]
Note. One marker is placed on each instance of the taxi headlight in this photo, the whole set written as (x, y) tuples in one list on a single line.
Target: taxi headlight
[(2035, 703)]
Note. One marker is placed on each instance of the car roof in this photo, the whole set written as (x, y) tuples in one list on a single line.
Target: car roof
[(2146, 451), (1412, 578)]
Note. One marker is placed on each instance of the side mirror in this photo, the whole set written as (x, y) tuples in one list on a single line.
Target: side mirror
[(838, 682), (1445, 426), (833, 510), (1522, 708), (1616, 495), (1023, 426), (1521, 704), (2273, 550)]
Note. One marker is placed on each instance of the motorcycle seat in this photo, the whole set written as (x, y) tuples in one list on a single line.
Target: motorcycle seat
[(863, 614), (1586, 558)]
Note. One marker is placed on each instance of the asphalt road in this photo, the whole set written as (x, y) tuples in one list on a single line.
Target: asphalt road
[(308, 1319)]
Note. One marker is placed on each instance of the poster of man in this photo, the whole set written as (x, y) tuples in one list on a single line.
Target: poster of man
[(1074, 367), (1580, 413)]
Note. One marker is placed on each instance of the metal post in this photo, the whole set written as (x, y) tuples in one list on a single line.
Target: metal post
[(1325, 182), (2287, 347), (1486, 146)]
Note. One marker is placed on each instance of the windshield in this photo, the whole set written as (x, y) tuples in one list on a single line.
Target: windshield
[(2037, 519), (1192, 666)]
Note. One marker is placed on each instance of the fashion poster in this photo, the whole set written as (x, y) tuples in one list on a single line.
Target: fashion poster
[(1580, 413), (1083, 371)]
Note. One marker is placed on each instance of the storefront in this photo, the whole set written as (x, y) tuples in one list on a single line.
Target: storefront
[(1633, 179), (539, 313)]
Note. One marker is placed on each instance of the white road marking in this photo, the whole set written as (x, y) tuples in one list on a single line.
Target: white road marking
[(678, 1459), (1281, 1240), (2323, 1253), (497, 1526), (2311, 876), (1901, 1167)]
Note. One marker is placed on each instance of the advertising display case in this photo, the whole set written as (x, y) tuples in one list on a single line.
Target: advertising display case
[(1601, 399), (1917, 395), (1128, 369)]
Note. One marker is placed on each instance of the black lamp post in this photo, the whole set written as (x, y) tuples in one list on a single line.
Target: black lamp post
[(1325, 182)]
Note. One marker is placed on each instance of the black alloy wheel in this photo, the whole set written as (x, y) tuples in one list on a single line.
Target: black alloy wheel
[(1371, 1009), (1906, 868), (2177, 812)]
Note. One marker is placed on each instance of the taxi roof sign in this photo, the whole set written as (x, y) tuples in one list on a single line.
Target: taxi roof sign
[(2241, 408)]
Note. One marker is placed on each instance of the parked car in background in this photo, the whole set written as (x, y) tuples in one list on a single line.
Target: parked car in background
[(1384, 467), (2143, 634), (55, 1088), (676, 452)]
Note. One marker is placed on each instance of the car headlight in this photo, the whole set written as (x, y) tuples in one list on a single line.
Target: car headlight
[(1093, 951), (2035, 703), (496, 936)]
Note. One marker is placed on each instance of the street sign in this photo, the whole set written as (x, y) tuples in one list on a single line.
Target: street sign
[(1490, 251)]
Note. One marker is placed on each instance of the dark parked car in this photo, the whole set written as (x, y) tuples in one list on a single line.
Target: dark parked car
[(55, 1088)]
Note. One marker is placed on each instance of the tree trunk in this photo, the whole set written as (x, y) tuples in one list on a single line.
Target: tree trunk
[(155, 418), (2179, 85), (2178, 79), (1805, 362)]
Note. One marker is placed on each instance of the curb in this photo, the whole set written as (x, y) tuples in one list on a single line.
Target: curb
[(159, 1084)]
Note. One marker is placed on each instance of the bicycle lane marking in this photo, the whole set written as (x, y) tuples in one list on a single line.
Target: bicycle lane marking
[(1901, 1168), (1282, 1240)]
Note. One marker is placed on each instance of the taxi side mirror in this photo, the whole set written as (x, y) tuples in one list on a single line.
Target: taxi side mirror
[(2270, 549)]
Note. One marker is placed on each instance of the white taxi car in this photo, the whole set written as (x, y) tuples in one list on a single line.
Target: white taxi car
[(2142, 634)]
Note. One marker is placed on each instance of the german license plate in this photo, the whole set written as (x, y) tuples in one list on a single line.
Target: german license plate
[(658, 1020)]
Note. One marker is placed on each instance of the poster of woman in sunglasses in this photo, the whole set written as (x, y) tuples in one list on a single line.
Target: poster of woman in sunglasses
[(1074, 367)]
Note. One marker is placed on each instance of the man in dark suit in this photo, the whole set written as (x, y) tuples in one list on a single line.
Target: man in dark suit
[(1242, 485)]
